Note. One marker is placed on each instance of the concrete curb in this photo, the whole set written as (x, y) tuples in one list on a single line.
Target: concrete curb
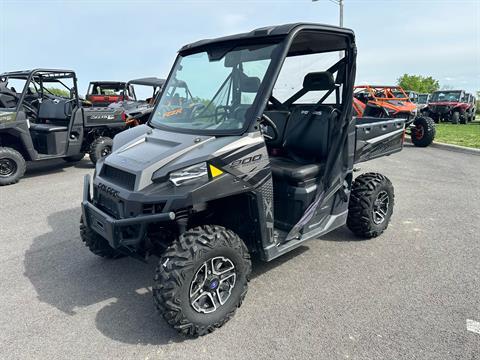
[(450, 147)]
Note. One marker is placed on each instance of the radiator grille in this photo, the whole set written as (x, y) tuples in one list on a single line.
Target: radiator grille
[(119, 177)]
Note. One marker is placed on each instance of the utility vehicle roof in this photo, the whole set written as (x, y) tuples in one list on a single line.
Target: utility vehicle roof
[(107, 82), (453, 90), (265, 33), (148, 81), (57, 73)]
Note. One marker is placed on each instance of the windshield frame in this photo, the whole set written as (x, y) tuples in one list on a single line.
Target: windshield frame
[(434, 99), (285, 48), (278, 55)]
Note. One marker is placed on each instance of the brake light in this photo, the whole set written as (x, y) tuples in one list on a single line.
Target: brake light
[(124, 116)]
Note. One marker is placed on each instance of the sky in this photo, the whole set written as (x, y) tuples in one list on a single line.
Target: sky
[(123, 40)]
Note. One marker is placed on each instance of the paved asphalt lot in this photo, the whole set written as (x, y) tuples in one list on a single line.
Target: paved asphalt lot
[(405, 295)]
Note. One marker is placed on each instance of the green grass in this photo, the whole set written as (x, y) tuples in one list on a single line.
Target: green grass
[(463, 135)]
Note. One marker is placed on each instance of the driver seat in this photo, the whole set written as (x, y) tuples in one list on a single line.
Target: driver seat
[(306, 139), (305, 144)]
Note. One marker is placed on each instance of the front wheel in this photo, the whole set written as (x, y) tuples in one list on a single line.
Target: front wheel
[(100, 148), (371, 205), (12, 166), (201, 279), (423, 131)]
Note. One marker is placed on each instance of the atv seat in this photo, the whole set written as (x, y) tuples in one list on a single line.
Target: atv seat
[(305, 143), (47, 128), (290, 170), (53, 111)]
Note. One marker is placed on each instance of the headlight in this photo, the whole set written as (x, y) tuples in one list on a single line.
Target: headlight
[(194, 172), (414, 112)]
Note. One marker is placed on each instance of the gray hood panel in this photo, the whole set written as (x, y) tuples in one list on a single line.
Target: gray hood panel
[(144, 151)]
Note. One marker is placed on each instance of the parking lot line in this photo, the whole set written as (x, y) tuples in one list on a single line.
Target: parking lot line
[(473, 326)]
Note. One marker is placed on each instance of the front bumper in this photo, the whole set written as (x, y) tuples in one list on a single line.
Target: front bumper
[(118, 232)]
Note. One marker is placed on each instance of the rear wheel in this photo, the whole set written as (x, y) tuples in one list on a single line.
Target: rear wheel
[(455, 117), (100, 148), (201, 279), (12, 166), (423, 131), (97, 244), (371, 205)]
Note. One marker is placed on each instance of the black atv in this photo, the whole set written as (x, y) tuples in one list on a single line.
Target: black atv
[(265, 164), (41, 117)]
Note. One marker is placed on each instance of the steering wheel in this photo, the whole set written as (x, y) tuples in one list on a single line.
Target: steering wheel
[(221, 113), (265, 120)]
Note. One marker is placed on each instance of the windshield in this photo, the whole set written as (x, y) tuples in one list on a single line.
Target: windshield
[(112, 89), (446, 96), (212, 93), (422, 99)]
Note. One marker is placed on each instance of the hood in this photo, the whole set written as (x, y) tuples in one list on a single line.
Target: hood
[(397, 105), (143, 151)]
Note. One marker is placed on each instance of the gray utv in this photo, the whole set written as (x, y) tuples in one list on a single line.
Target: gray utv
[(259, 160), (42, 117)]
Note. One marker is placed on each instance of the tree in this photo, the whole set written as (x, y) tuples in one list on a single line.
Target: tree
[(418, 83), (58, 92)]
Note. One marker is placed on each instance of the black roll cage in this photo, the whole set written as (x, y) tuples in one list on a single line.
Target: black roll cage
[(284, 36), (53, 74)]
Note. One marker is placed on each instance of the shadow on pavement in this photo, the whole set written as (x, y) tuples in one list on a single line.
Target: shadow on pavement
[(47, 167), (67, 276)]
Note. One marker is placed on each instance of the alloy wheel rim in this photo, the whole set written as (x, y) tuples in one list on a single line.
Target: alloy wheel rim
[(7, 167), (419, 132), (380, 207), (212, 284)]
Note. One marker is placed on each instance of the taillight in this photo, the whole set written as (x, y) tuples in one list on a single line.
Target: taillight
[(124, 116)]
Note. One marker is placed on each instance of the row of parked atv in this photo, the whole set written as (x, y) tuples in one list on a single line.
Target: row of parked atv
[(421, 111), (43, 117)]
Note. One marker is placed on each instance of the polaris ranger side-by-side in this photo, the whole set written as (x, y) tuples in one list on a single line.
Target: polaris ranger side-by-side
[(261, 165), (41, 117)]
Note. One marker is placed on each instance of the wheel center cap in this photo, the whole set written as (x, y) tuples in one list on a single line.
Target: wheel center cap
[(213, 284)]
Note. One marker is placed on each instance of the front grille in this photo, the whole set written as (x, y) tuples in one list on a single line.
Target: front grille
[(153, 208), (119, 177), (441, 109), (108, 205)]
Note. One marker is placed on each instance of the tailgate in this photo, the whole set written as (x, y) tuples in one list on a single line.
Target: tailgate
[(96, 116), (377, 137)]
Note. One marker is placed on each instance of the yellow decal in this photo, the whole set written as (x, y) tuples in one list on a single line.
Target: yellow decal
[(215, 171)]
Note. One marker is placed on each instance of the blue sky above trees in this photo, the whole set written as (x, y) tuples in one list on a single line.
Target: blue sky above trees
[(121, 40)]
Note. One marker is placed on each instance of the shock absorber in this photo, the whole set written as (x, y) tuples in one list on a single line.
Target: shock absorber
[(182, 220)]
